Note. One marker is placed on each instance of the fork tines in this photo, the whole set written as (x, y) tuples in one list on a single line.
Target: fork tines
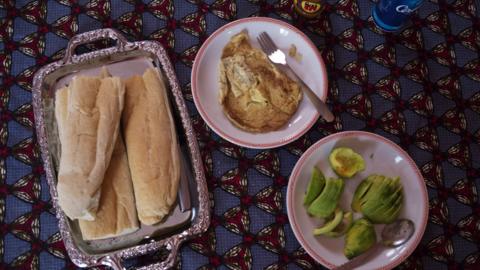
[(266, 43)]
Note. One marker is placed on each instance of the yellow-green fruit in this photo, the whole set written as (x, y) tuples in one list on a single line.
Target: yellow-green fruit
[(343, 227), (331, 224), (315, 186), (360, 237), (379, 198), (345, 162), (324, 205)]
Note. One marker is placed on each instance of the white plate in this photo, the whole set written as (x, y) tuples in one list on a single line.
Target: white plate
[(381, 156), (205, 86)]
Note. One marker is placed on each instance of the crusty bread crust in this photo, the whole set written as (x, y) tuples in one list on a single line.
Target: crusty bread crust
[(152, 146), (88, 117), (116, 213)]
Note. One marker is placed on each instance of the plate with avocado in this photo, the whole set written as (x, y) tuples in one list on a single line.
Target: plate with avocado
[(345, 188)]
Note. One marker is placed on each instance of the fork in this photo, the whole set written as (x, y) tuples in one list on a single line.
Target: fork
[(279, 58)]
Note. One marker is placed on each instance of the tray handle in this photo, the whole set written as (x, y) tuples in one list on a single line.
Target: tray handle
[(115, 262), (87, 37), (172, 246)]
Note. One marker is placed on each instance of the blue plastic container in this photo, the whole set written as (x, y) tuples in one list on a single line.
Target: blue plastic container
[(391, 15)]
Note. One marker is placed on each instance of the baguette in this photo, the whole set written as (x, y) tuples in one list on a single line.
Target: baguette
[(88, 116), (152, 147), (116, 214)]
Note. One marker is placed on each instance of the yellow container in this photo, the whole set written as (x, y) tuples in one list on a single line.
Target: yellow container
[(308, 8)]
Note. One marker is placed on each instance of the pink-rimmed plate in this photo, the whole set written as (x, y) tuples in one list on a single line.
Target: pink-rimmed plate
[(382, 156), (205, 86)]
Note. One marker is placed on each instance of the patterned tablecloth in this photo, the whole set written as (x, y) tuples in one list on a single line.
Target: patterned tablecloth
[(419, 87)]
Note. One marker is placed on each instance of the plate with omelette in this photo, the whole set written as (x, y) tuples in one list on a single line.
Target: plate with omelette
[(245, 98)]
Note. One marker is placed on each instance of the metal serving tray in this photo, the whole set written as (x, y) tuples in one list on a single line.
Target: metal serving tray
[(189, 217)]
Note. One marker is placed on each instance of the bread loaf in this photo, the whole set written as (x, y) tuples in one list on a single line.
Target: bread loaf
[(116, 213), (88, 114), (151, 146)]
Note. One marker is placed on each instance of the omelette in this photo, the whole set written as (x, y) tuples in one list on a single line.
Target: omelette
[(255, 95)]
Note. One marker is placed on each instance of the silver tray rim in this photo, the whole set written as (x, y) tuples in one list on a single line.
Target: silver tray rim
[(172, 243)]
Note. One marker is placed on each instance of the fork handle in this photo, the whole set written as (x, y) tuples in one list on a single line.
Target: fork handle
[(322, 108)]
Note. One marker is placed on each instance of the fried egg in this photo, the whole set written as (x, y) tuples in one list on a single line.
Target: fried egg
[(255, 95)]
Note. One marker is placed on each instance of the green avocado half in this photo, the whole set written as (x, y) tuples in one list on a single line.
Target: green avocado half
[(360, 237), (346, 162)]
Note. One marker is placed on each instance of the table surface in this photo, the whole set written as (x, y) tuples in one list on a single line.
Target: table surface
[(419, 87)]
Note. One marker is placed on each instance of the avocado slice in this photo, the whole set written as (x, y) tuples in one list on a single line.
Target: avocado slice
[(346, 162), (331, 224), (343, 227), (379, 198), (360, 192), (360, 237), (324, 205), (315, 186)]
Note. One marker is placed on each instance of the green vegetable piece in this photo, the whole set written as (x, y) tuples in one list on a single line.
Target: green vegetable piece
[(315, 186), (343, 227), (345, 162), (324, 205), (331, 224), (379, 198), (360, 237), (360, 193)]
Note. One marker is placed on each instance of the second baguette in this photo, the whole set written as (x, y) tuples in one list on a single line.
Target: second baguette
[(151, 146), (116, 213)]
